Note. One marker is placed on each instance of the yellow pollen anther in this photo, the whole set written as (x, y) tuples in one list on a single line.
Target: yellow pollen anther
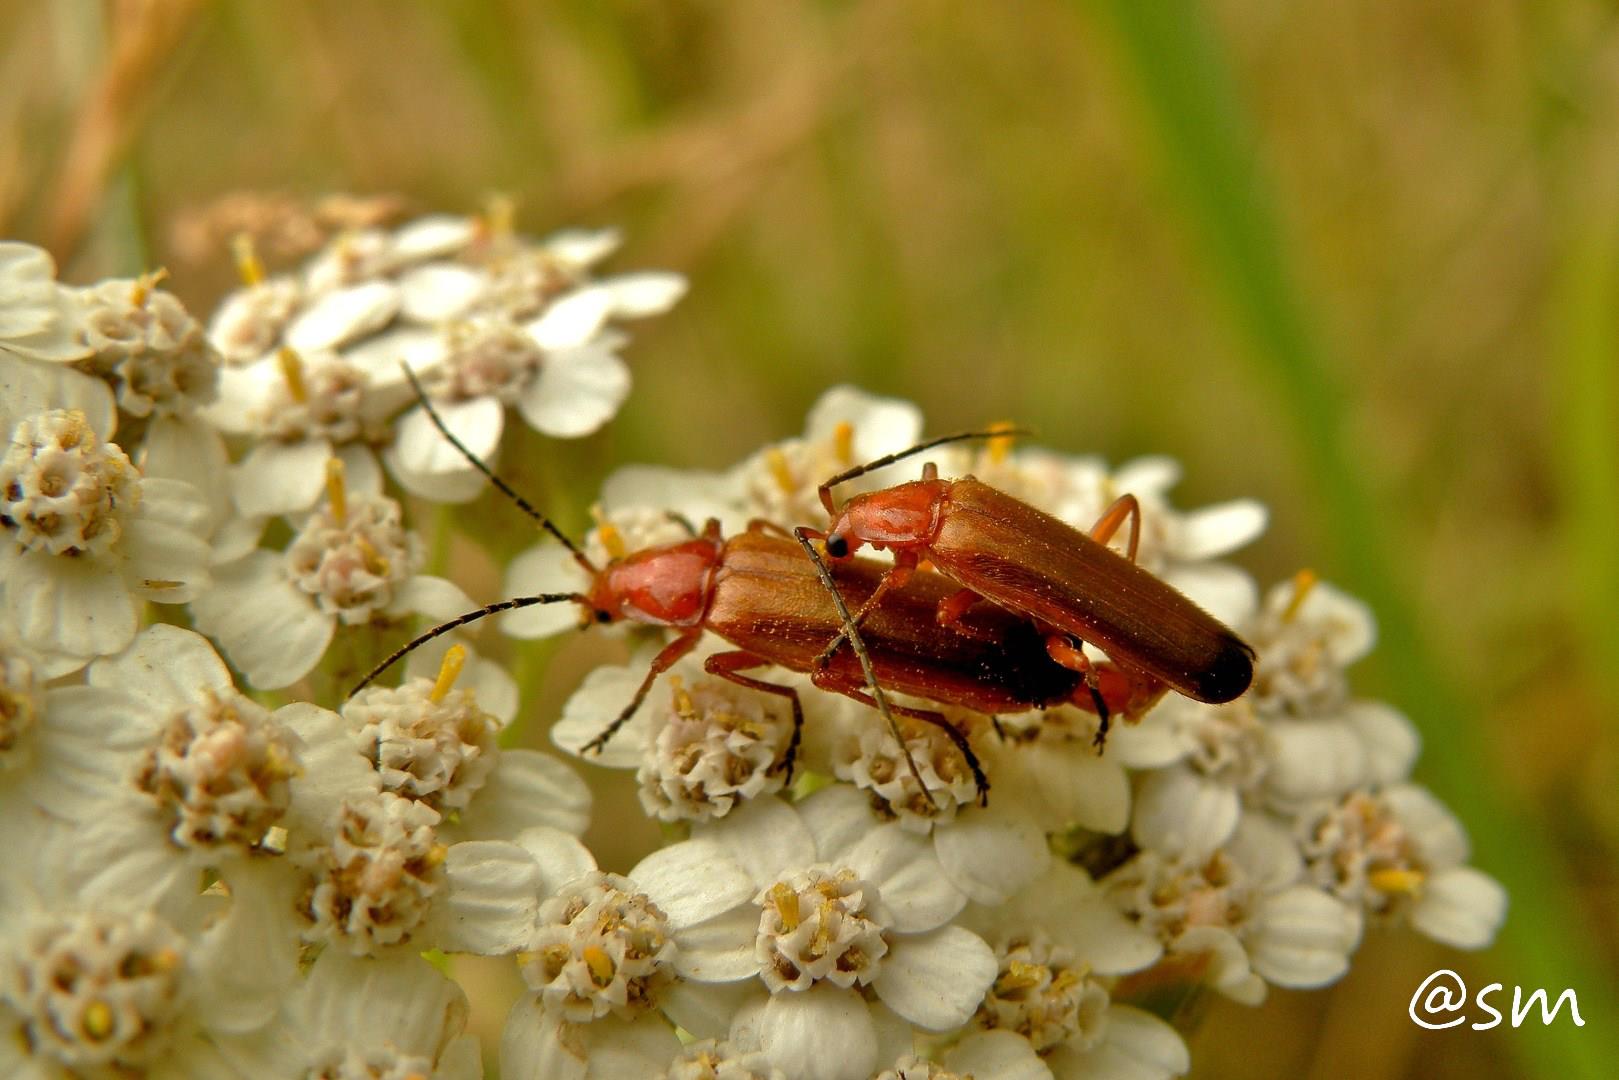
[(98, 1020), (843, 442), (823, 929), (1020, 976), (374, 560), (436, 854), (500, 216), (166, 959), (72, 433), (608, 534), (1000, 445), (292, 371), (142, 289), (1396, 880), (684, 706), (248, 266), (785, 901), (1304, 583), (780, 471), (336, 490), (455, 658), (600, 965)]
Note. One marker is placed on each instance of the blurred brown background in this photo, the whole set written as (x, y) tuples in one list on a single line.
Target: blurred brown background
[(1012, 211)]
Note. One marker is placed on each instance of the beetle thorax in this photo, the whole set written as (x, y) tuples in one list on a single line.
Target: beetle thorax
[(664, 586), (900, 517)]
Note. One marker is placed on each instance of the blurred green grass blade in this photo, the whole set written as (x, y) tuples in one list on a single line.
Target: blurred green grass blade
[(1585, 339), (1171, 53)]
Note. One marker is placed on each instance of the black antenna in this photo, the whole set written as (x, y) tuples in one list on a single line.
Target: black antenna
[(901, 455), (461, 620), (852, 632), (504, 488)]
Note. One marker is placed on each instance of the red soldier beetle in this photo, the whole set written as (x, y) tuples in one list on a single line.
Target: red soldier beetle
[(1003, 550), (760, 593)]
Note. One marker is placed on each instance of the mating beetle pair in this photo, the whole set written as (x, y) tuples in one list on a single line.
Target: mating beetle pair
[(995, 626)]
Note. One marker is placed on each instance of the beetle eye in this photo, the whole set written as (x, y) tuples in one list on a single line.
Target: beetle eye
[(837, 546), (603, 615)]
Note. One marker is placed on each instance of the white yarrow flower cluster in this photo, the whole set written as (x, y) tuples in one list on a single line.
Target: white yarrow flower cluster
[(229, 865)]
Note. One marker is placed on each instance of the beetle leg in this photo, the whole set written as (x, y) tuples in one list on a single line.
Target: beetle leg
[(1062, 650), (894, 579), (1123, 508), (683, 521), (730, 665), (665, 660), (930, 470), (827, 681), (954, 606), (761, 525)]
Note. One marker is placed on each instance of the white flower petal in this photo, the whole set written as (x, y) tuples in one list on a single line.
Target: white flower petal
[(909, 878), (438, 292), (648, 292), (271, 631), (1460, 907), (581, 248), (31, 386), (524, 789), (766, 837), (1152, 474), (589, 709), (936, 980), (165, 542), (344, 315), (1071, 785), (993, 852), (494, 895), (1302, 937), (476, 422), (1390, 741), (1136, 1046), (81, 607), (433, 237), (707, 1009), (838, 817), (822, 1033), (250, 962), (720, 949), (576, 392), (382, 357), (628, 1048), (572, 319), (532, 1047), (277, 478), (1227, 969), (1266, 850), (559, 856), (438, 598), (186, 448), (1313, 759), (167, 667), (1181, 811), (1226, 592), (1004, 1055), (881, 425), (1218, 530), (333, 768), (395, 998), (1437, 834), (692, 881), (548, 567)]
